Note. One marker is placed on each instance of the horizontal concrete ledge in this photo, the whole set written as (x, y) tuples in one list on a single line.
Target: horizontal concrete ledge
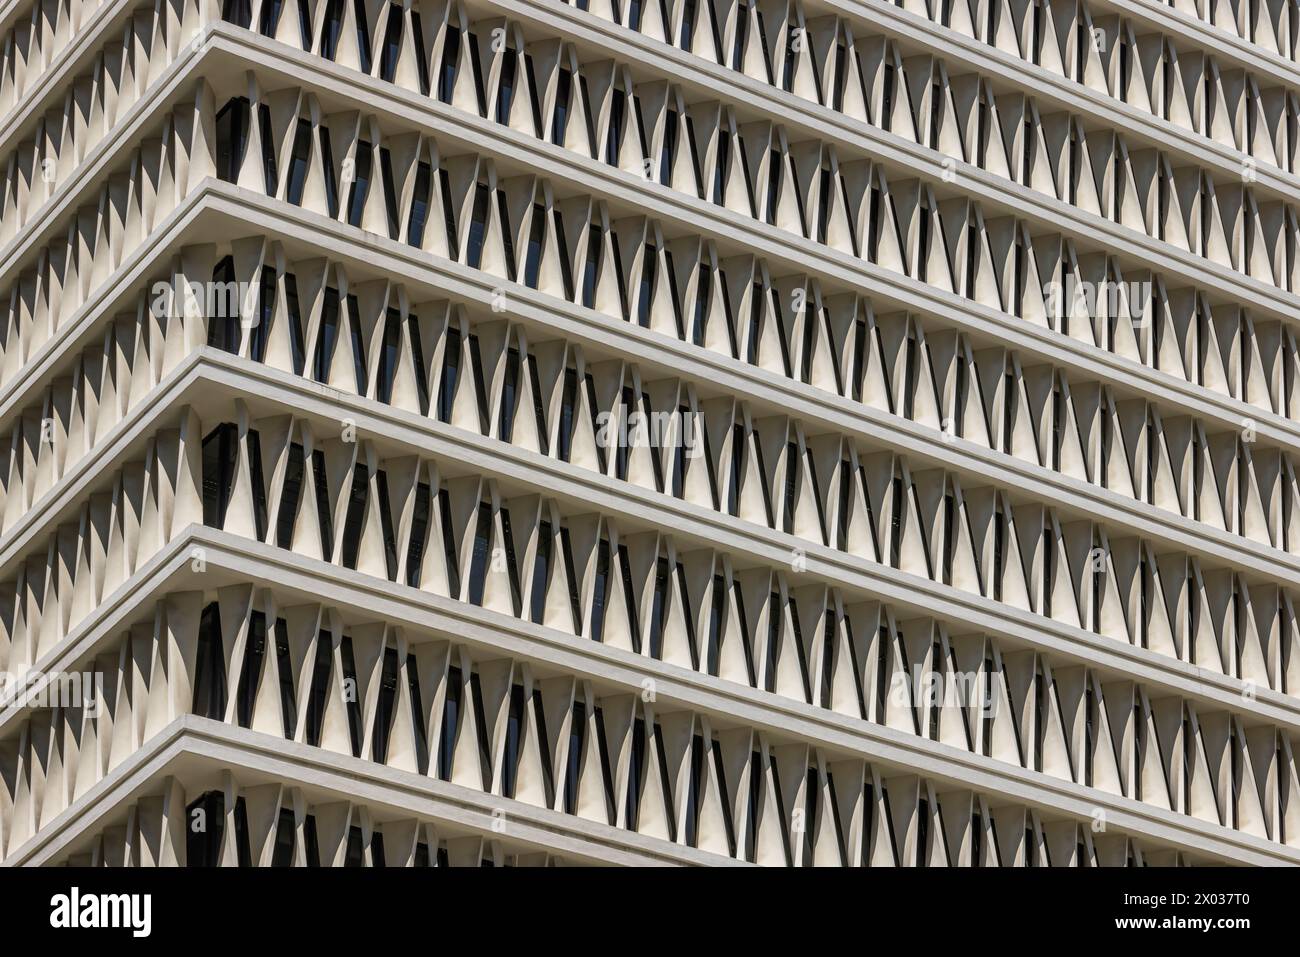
[(476, 134), (817, 408), (257, 52), (1208, 37), (209, 374), (97, 26), (814, 406), (897, 291), (230, 558), (655, 351), (1149, 129), (47, 223), (779, 395), (997, 194), (881, 581), (190, 739)]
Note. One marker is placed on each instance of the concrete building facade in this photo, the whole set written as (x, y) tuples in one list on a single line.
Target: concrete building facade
[(715, 432)]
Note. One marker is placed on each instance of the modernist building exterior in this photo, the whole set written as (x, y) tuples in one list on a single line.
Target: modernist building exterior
[(791, 432)]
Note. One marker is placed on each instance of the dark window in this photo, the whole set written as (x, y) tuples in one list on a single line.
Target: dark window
[(448, 543), (238, 12), (606, 767), (512, 565), (484, 745), (482, 553), (225, 308), (506, 84), (507, 238), (210, 667), (568, 401), (389, 353), (536, 246), (385, 709), (562, 254), (329, 41), (285, 839), (614, 136), (694, 791), (310, 843), (361, 172), (451, 711), (687, 37), (421, 52), (417, 714), (353, 705), (327, 167), (824, 205), (476, 68), (419, 205), (737, 468), (450, 375), (681, 460), (355, 515), (792, 462), (220, 455), (304, 24), (392, 44), (320, 686), (259, 483), (754, 806), (205, 823), (589, 113), (417, 362), (251, 677), (717, 624), (363, 33), (299, 162), (541, 572), (386, 524), (720, 774), (548, 772), (722, 166), (600, 596), (514, 741), (284, 664), (703, 300), (419, 534), (573, 766), (450, 61), (328, 336), (267, 135), (477, 226), (560, 118), (646, 297), (635, 776), (354, 855), (324, 512), (659, 608), (292, 307), (591, 268), (509, 396), (539, 414), (774, 623), (358, 346), (774, 174), (575, 603), (480, 383), (389, 184)]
